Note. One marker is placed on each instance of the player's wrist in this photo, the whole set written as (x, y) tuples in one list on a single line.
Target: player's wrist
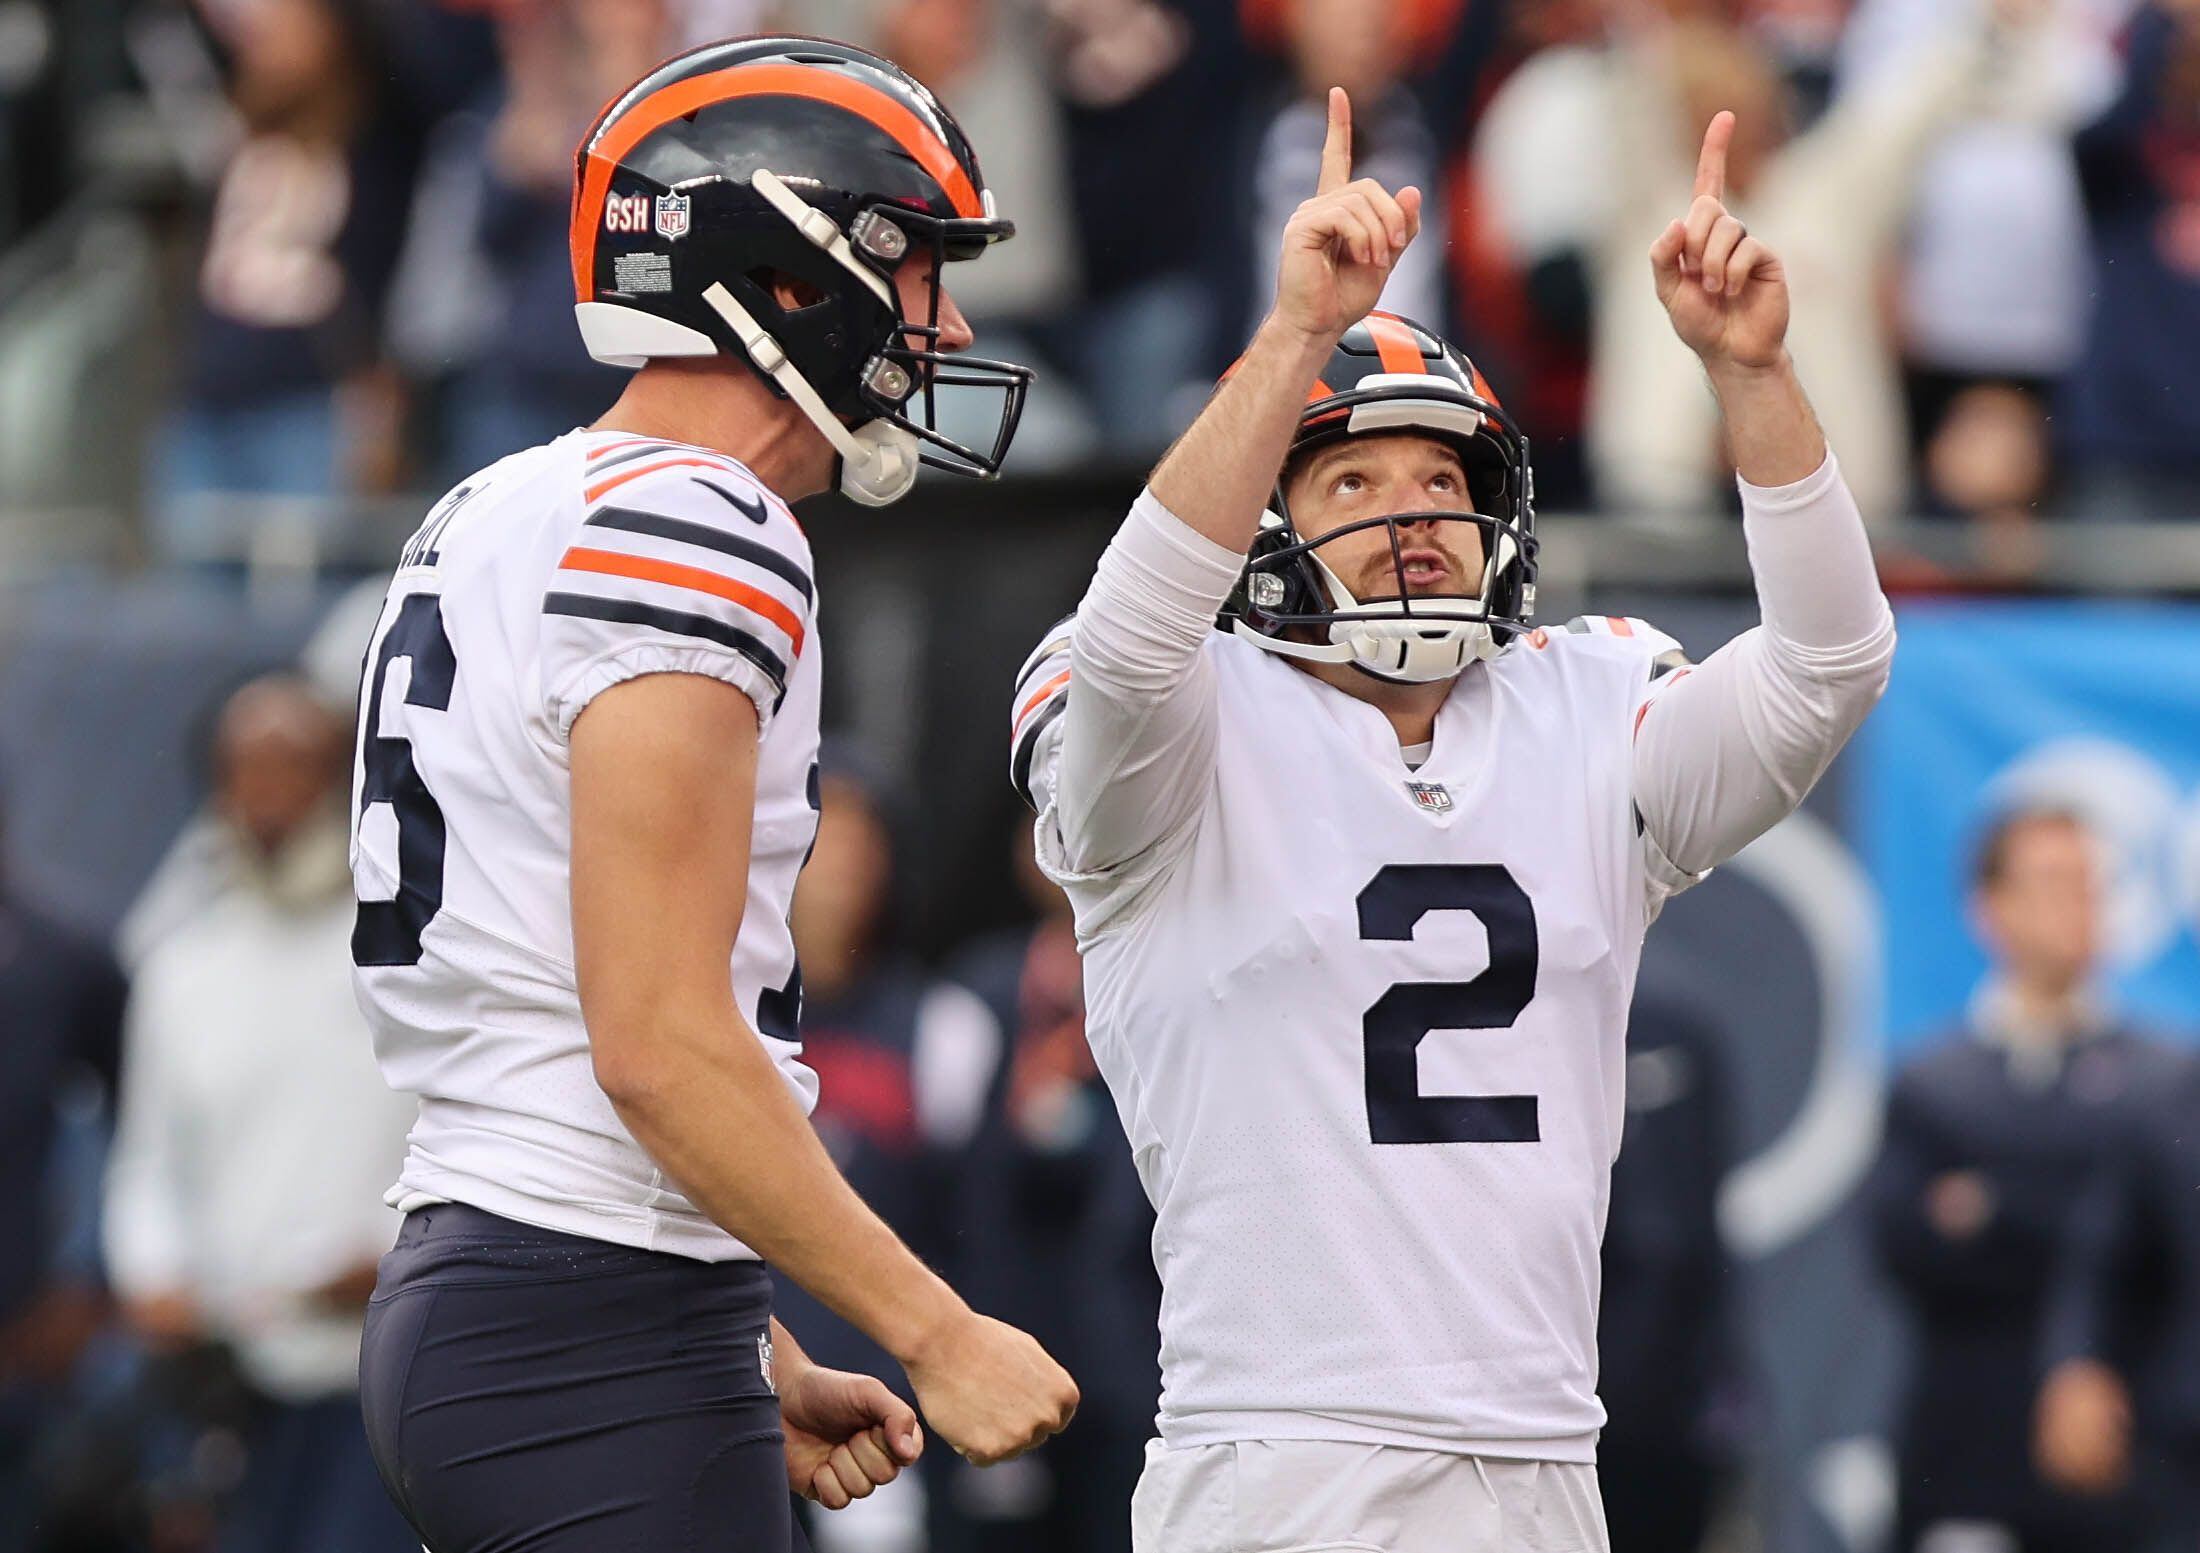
[(790, 1364), (1294, 345), (1731, 375), (923, 1326)]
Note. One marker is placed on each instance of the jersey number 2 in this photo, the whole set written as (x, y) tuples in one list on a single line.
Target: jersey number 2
[(1391, 906), (388, 932)]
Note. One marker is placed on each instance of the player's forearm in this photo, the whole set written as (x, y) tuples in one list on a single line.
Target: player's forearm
[(1728, 750), (1219, 476), (1771, 433), (715, 1113)]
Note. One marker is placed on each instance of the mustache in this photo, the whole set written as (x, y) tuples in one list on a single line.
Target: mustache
[(1379, 577)]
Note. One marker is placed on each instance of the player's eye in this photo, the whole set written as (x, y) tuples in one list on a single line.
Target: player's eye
[(1443, 482), (1350, 483)]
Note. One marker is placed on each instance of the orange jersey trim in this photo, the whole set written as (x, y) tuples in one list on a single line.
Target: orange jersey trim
[(630, 442), (611, 563), (681, 98), (596, 491), (1395, 345), (1037, 696)]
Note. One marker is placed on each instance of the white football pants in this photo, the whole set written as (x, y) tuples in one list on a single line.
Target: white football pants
[(1318, 1496)]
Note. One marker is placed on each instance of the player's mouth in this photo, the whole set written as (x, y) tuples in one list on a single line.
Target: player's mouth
[(1424, 568)]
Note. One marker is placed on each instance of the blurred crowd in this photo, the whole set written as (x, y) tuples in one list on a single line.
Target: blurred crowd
[(197, 1144), (1991, 209), (1992, 212)]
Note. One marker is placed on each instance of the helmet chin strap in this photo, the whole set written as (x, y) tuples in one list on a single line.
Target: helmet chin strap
[(1407, 651), (878, 460)]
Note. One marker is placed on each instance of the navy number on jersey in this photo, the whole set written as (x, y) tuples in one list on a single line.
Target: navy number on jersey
[(1391, 906), (388, 932)]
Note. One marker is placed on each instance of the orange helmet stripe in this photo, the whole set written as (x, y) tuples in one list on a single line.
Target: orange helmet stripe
[(1395, 345), (681, 98)]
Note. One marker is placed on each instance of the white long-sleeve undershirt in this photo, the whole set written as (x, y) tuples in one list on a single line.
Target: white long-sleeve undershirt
[(1727, 751), (1722, 753)]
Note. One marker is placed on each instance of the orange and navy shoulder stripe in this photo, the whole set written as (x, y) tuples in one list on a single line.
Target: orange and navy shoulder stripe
[(683, 576), (1667, 657), (1042, 691)]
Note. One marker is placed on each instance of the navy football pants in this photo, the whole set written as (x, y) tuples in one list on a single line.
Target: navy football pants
[(527, 1391)]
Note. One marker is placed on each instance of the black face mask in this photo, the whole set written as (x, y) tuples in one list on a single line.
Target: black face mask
[(904, 376)]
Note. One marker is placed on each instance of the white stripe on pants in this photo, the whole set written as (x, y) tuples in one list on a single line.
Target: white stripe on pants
[(1312, 1496)]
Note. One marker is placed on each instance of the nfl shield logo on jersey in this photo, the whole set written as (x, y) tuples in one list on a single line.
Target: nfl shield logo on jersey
[(1432, 796), (672, 215)]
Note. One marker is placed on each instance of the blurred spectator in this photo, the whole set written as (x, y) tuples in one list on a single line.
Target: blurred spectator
[(900, 1061), (280, 392), (1829, 202), (1051, 1201), (485, 293), (987, 59), (60, 1033), (1665, 1331), (2111, 1412), (1988, 462), (1993, 283), (1363, 46), (1138, 82), (1990, 1141), (255, 1140), (35, 116), (1537, 200), (2131, 412)]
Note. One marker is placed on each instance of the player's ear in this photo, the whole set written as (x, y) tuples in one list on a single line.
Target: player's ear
[(789, 292)]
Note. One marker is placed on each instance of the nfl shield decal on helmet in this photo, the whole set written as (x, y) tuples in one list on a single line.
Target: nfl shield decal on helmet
[(672, 215)]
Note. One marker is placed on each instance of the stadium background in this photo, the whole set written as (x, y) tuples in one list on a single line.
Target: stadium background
[(225, 399)]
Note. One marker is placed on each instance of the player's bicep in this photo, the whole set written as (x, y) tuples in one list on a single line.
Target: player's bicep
[(663, 801)]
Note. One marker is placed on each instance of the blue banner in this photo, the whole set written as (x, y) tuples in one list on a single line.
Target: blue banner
[(2093, 707)]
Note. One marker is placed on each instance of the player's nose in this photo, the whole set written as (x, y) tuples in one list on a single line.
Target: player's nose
[(955, 331)]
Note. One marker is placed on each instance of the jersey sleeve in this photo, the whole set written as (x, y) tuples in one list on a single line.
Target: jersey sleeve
[(1034, 731), (1649, 662), (1728, 750), (688, 569), (1114, 722)]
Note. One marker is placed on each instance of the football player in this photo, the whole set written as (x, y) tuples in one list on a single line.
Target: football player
[(586, 781), (1361, 882)]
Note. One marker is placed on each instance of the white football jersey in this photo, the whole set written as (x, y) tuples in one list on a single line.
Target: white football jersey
[(1365, 1026), (545, 579)]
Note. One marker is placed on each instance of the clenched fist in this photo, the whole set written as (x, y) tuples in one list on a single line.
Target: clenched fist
[(1339, 246), (846, 1435), (989, 1390), (1724, 291)]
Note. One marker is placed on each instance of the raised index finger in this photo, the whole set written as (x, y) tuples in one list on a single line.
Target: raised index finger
[(1711, 164), (1337, 148)]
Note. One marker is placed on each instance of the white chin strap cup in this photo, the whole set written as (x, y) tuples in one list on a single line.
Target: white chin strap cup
[(1405, 649), (878, 460)]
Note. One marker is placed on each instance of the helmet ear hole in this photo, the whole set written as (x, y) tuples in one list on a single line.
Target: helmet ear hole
[(790, 291)]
